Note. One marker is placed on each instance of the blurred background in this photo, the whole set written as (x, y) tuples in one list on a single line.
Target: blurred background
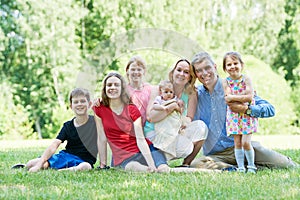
[(49, 47)]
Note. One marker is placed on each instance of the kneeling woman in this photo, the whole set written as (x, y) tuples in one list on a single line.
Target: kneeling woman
[(119, 123)]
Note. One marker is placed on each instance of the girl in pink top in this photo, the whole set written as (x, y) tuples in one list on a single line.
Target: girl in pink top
[(139, 91)]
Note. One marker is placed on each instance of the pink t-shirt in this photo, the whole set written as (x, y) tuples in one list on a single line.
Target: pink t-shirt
[(141, 98)]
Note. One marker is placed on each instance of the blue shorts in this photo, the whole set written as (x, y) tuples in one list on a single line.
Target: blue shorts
[(158, 157), (64, 160)]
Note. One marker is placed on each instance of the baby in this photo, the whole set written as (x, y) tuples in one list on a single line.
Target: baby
[(167, 97)]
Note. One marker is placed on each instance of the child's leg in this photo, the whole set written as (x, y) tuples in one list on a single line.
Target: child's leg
[(81, 166), (136, 166), (249, 152), (34, 162), (239, 152)]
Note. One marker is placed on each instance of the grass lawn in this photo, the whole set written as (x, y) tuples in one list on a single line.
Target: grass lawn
[(115, 184)]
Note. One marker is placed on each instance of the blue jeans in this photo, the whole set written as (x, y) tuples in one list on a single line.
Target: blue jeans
[(158, 157)]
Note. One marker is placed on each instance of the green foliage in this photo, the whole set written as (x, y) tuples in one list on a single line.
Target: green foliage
[(60, 115), (41, 55), (43, 43), (295, 99), (288, 54), (14, 122)]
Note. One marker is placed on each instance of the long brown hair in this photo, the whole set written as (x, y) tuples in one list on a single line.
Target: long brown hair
[(190, 86), (124, 94)]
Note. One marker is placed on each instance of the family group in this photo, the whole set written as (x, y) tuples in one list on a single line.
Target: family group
[(146, 126)]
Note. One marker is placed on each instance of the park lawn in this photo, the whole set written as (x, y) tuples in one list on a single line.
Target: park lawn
[(115, 184)]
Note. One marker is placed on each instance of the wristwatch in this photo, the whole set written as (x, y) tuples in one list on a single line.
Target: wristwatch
[(248, 111)]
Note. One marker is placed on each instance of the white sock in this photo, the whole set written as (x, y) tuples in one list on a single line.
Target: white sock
[(250, 157), (239, 157)]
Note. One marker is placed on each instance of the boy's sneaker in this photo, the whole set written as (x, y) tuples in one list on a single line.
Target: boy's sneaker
[(251, 169), (18, 166)]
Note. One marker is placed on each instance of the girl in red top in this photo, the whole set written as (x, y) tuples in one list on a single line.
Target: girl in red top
[(119, 123)]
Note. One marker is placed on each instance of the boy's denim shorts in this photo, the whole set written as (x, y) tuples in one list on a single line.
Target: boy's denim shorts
[(157, 155), (64, 160)]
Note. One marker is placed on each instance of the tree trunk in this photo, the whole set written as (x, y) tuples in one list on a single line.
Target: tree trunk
[(38, 128)]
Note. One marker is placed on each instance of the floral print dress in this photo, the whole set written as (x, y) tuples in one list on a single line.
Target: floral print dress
[(239, 123)]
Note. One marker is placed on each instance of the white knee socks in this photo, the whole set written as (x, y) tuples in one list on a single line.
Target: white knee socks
[(250, 157), (239, 157)]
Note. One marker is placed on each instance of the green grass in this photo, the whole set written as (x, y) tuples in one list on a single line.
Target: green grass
[(115, 184)]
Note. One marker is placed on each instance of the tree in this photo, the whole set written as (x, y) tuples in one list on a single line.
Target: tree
[(288, 53), (41, 55)]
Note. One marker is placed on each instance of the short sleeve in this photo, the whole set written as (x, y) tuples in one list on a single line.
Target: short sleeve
[(134, 112), (62, 135)]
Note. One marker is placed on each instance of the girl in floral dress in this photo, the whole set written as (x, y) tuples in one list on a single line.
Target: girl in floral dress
[(238, 87)]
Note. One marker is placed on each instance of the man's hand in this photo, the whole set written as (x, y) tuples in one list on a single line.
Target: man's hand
[(228, 98)]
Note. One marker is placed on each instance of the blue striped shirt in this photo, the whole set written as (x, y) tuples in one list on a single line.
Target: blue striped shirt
[(211, 109)]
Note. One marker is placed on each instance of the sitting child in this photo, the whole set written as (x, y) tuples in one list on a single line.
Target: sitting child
[(81, 134)]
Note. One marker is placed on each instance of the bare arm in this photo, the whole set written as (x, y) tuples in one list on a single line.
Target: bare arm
[(142, 144), (101, 143), (192, 105), (244, 98), (158, 107), (226, 87), (157, 115), (46, 155)]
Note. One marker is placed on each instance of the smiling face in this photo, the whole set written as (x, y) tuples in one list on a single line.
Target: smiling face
[(113, 87), (233, 67), (181, 74), (167, 92), (135, 71), (80, 105), (206, 72)]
